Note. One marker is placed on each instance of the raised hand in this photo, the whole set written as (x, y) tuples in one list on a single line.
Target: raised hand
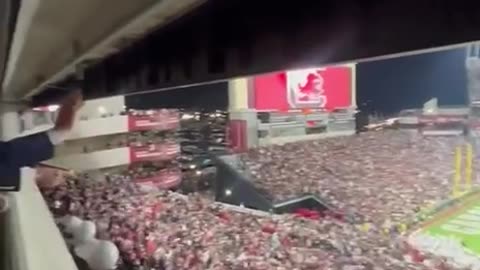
[(69, 107)]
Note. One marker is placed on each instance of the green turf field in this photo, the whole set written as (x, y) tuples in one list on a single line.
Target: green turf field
[(462, 223)]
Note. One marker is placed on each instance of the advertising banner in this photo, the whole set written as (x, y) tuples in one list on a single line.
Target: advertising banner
[(442, 119), (154, 152), (164, 180), (152, 122), (317, 88)]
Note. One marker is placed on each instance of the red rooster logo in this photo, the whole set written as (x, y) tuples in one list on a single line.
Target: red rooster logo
[(306, 87)]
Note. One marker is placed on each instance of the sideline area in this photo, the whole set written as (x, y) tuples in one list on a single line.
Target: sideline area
[(460, 223)]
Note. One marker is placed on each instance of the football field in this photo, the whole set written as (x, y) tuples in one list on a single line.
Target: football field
[(461, 222)]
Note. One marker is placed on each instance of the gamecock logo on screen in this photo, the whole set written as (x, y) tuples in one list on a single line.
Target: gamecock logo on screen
[(305, 88)]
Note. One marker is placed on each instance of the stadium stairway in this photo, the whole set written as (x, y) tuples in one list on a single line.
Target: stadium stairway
[(234, 186)]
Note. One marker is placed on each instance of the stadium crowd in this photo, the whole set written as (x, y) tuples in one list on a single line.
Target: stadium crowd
[(148, 169), (141, 139), (146, 138), (378, 177), (167, 230)]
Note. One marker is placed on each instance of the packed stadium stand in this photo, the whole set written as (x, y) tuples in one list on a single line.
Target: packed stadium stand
[(274, 169)]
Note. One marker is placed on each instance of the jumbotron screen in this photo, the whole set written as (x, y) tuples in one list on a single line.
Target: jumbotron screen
[(324, 88)]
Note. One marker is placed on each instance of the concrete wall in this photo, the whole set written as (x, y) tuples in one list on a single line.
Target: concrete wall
[(91, 161), (98, 107), (91, 144)]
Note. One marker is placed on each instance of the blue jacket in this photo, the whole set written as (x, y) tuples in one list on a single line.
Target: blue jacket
[(21, 152)]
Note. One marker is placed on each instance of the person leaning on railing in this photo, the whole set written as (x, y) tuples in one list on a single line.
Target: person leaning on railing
[(29, 150)]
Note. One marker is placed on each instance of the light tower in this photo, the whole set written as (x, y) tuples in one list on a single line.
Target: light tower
[(472, 61)]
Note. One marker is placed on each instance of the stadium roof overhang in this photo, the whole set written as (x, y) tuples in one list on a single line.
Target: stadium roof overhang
[(221, 39), (8, 13), (52, 37)]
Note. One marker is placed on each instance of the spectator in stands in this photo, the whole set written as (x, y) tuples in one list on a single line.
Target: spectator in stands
[(32, 149), (346, 171), (50, 176)]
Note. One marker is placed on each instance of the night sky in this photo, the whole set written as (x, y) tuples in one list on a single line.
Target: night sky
[(385, 86), (388, 86), (209, 97)]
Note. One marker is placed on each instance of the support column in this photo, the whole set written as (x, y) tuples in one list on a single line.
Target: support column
[(472, 64), (353, 81), (238, 94), (28, 222), (10, 127), (243, 118)]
